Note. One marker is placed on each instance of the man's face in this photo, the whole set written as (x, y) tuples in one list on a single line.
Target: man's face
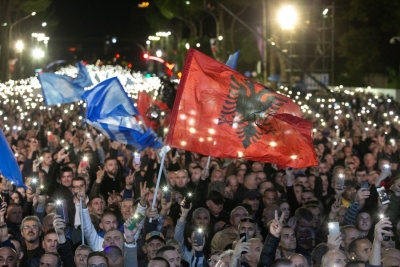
[(269, 197), (233, 184), (201, 219), (48, 260), (113, 238), (181, 179), (96, 261), (214, 208), (8, 257), (66, 179), (288, 239), (126, 209), (14, 215), (247, 227), (251, 181), (111, 167), (257, 166), (255, 250), (261, 177), (361, 176), (303, 181), (335, 259), (47, 159), (351, 234), (81, 257), (254, 203), (264, 186), (369, 161), (78, 186), (297, 191), (50, 242), (237, 215), (108, 222), (349, 193), (323, 168), (363, 249), (364, 221), (171, 178), (173, 257), (311, 182), (97, 206), (316, 217), (152, 246), (30, 231), (217, 175), (196, 174), (306, 196), (340, 214)]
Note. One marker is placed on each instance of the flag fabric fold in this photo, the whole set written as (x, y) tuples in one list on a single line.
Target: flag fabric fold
[(61, 89), (110, 110), (144, 102), (232, 60), (221, 113), (8, 164)]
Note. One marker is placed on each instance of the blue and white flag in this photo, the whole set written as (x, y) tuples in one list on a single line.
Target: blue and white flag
[(110, 110), (61, 89), (232, 60), (8, 163)]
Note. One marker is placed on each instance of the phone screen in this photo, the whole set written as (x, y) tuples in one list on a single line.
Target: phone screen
[(333, 228), (383, 197), (198, 236)]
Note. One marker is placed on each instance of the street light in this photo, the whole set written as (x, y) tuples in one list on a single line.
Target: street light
[(15, 23), (158, 53), (19, 46), (394, 38), (287, 17), (38, 53), (44, 24)]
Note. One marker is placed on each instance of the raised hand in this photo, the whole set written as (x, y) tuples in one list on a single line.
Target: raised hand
[(144, 192), (275, 228), (59, 226), (382, 228), (130, 234), (99, 175), (241, 247), (61, 155), (361, 196), (334, 241)]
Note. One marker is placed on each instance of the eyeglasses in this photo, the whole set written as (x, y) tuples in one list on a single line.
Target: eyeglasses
[(98, 265), (34, 227), (247, 219)]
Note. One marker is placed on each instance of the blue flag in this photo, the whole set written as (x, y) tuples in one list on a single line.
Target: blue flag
[(61, 89), (232, 60), (8, 164), (110, 110)]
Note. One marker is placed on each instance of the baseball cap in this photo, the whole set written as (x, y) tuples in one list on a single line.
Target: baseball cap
[(252, 194), (153, 235), (216, 197)]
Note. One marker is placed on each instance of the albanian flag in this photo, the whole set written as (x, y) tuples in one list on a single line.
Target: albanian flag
[(221, 113), (146, 104)]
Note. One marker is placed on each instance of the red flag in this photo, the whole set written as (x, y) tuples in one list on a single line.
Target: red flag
[(221, 113), (144, 102)]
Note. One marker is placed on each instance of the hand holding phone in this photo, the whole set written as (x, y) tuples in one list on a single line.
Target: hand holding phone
[(167, 193), (383, 197), (333, 228), (199, 236), (61, 209)]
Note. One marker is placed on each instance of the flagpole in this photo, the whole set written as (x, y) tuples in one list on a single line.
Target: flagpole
[(81, 210), (158, 182), (158, 154), (208, 162)]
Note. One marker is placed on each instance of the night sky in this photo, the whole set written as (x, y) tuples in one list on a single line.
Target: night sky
[(86, 25)]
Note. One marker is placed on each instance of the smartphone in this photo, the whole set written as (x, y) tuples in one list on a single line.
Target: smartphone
[(386, 167), (34, 183), (188, 200), (61, 209), (137, 158), (66, 150), (340, 181), (364, 185), (198, 236), (135, 219), (244, 235), (383, 197), (167, 193), (333, 228)]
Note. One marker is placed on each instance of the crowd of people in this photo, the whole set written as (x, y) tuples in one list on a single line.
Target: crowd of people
[(343, 212)]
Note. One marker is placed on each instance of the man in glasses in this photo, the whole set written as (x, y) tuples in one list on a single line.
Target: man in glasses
[(31, 229)]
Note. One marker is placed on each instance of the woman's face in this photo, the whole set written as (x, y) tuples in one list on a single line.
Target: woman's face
[(15, 198)]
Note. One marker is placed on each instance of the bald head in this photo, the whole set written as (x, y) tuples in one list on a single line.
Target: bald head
[(298, 260), (390, 261), (334, 258)]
